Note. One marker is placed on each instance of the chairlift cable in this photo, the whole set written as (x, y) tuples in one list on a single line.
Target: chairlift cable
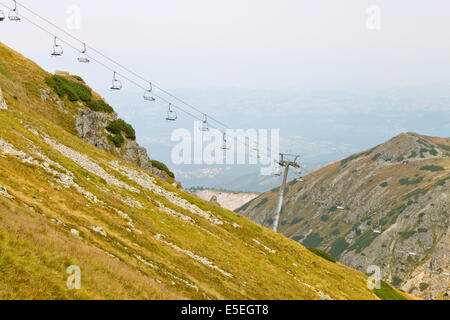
[(131, 71), (123, 76)]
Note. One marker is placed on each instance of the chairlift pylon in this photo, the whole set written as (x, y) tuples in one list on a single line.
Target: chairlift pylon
[(171, 115), (83, 57), (116, 83), (204, 127), (148, 93), (225, 145), (2, 15), (13, 14), (57, 49)]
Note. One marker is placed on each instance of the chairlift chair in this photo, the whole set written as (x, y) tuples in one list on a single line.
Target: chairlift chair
[(116, 83), (225, 145), (277, 172), (83, 57), (2, 15), (171, 115), (148, 94), (204, 127), (57, 49), (13, 14)]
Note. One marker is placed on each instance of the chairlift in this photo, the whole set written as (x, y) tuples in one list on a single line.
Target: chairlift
[(2, 15), (204, 127), (116, 83), (171, 115), (13, 14), (148, 94), (277, 172), (83, 57), (225, 145), (57, 49)]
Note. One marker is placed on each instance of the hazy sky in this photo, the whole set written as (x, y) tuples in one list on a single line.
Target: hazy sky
[(319, 44)]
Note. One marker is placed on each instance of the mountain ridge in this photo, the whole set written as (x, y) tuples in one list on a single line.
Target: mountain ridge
[(386, 206)]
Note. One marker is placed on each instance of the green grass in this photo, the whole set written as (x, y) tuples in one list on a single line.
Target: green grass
[(386, 292)]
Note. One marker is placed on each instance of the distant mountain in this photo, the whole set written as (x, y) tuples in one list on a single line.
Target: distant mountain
[(236, 178), (388, 206), (226, 199)]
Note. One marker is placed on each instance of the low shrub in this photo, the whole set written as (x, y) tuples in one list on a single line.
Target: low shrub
[(432, 168), (99, 106), (322, 254), (118, 126), (73, 90), (161, 166), (117, 139)]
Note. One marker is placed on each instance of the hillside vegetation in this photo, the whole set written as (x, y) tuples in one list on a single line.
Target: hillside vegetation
[(388, 206), (65, 202)]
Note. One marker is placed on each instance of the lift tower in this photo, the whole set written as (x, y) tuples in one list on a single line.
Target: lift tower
[(286, 163)]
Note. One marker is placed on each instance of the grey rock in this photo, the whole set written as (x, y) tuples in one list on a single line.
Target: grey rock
[(91, 127), (3, 105)]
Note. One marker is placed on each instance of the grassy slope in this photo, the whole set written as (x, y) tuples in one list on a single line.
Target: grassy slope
[(35, 251)]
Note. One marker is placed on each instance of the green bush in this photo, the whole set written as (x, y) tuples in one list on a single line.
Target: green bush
[(324, 218), (396, 281), (118, 126), (99, 106), (73, 90), (445, 147), (263, 202), (423, 286), (432, 168), (313, 240), (406, 181), (384, 185), (386, 292), (443, 181), (117, 139), (161, 166), (338, 246), (322, 254), (78, 78)]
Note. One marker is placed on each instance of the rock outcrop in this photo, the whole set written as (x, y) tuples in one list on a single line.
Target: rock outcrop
[(91, 127), (3, 105)]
